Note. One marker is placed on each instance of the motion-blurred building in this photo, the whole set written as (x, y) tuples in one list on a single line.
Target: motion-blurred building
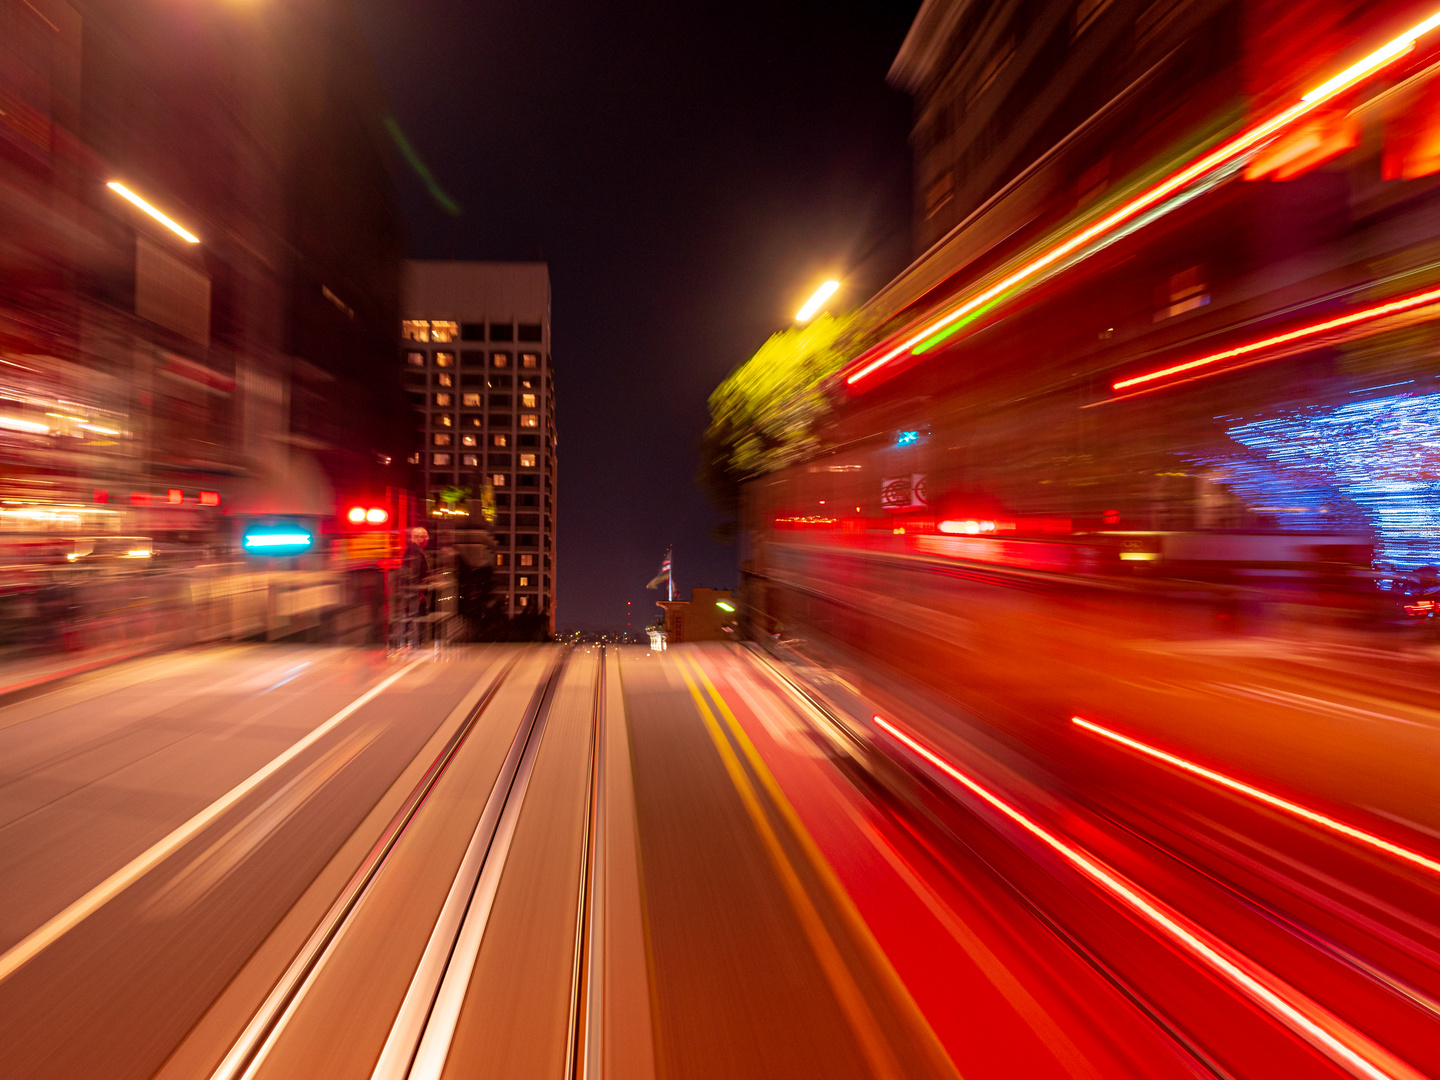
[(475, 352), (709, 615), (1172, 311), (199, 270)]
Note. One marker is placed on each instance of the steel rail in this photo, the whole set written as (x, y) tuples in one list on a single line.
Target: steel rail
[(423, 1030), (584, 1046), (253, 1043)]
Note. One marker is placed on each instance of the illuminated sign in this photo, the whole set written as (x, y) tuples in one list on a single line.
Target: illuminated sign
[(277, 540), (899, 493)]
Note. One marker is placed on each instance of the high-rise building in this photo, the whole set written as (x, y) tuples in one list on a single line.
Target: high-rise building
[(475, 349)]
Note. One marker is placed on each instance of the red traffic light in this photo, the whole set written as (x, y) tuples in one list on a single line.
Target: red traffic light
[(374, 515)]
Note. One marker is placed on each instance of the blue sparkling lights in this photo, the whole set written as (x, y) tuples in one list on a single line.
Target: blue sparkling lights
[(1372, 465)]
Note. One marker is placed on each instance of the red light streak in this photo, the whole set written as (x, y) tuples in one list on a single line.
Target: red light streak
[(1312, 816), (1221, 155), (1379, 311), (1328, 1033)]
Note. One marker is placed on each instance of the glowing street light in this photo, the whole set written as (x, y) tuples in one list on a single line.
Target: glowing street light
[(806, 313), (174, 226)]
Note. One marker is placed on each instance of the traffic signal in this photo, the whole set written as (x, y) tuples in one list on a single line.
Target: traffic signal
[(367, 515)]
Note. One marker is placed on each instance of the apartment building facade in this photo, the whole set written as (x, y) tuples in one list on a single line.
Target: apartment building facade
[(475, 354)]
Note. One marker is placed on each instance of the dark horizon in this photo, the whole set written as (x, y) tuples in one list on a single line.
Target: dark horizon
[(615, 148)]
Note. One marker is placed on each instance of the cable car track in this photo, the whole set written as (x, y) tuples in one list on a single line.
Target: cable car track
[(419, 1040)]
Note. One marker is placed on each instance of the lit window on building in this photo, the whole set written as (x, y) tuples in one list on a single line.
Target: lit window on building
[(444, 331), (523, 582), (500, 360), (415, 359), (469, 460), (527, 461), (501, 559), (443, 419), (443, 400), (498, 479), (444, 378), (472, 400), (414, 459), (530, 360), (529, 420), (467, 440), (442, 438), (440, 459), (522, 601), (499, 440), (527, 401), (527, 560), (415, 330), (445, 359)]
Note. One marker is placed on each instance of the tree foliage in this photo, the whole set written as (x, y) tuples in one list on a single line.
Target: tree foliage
[(767, 412)]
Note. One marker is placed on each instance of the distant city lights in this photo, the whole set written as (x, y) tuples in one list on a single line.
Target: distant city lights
[(812, 306), (170, 223)]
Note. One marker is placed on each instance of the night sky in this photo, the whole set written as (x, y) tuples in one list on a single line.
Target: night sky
[(689, 171)]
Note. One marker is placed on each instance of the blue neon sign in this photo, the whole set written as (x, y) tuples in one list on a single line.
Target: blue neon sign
[(288, 539)]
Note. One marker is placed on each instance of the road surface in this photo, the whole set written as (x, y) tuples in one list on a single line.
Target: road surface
[(531, 861)]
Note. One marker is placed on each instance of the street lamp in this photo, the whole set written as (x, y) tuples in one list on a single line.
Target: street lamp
[(174, 226), (823, 293)]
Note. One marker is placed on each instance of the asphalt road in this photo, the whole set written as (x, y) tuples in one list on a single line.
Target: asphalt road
[(528, 861)]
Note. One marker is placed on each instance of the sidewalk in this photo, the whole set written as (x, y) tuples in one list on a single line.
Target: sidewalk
[(21, 673)]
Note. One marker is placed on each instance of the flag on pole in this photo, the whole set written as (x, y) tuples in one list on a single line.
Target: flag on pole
[(663, 575)]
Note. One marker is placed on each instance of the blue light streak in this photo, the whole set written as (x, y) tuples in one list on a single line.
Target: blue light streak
[(275, 540), (1371, 465)]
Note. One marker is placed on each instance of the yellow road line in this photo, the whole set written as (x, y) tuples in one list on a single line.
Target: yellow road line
[(847, 992), (855, 922)]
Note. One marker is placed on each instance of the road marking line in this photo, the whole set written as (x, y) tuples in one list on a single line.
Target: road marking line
[(1259, 795), (842, 982), (34, 943), (856, 923), (233, 847)]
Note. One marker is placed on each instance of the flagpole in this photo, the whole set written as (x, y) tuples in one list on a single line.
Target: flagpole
[(670, 561)]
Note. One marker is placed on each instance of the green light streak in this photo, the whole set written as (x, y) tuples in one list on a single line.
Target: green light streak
[(960, 324), (446, 203)]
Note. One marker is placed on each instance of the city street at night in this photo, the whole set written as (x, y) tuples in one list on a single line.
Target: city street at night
[(748, 541)]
